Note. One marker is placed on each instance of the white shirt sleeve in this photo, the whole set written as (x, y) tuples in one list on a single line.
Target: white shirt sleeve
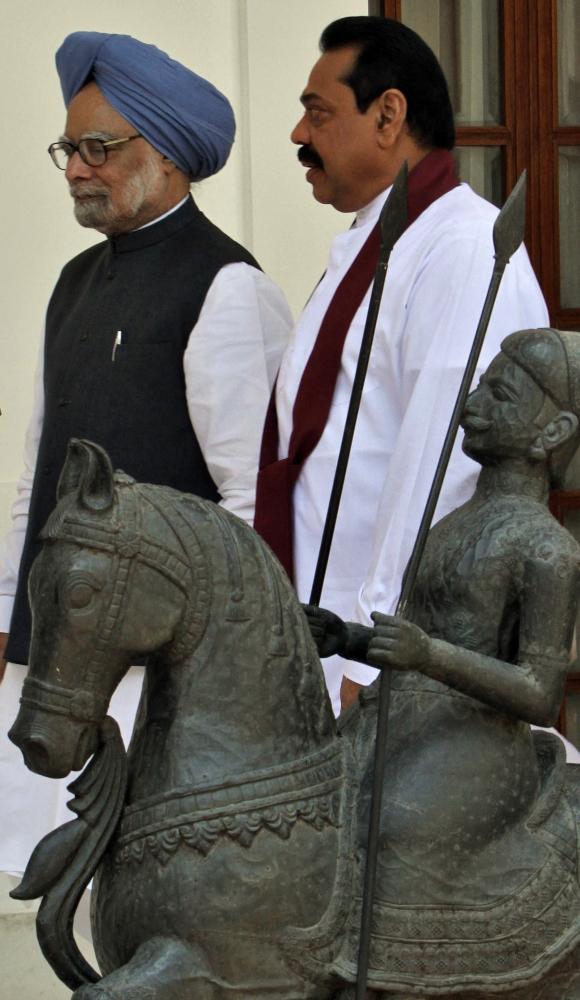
[(11, 547), (442, 315), (230, 365)]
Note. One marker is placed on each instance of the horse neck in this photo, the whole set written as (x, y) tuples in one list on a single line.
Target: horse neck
[(252, 692)]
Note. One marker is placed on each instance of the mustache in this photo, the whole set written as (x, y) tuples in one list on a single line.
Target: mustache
[(85, 190), (309, 157)]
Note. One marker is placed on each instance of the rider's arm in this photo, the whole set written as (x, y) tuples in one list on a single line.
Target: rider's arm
[(530, 689)]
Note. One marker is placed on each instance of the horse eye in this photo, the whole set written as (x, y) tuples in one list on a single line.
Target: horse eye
[(81, 595)]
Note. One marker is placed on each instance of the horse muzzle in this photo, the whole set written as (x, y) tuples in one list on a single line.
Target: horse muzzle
[(52, 745)]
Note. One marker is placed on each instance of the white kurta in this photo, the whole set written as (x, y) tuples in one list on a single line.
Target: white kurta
[(436, 284), (230, 364)]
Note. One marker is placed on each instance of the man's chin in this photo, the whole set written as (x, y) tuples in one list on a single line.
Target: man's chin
[(478, 452), (467, 446), (317, 179), (92, 215)]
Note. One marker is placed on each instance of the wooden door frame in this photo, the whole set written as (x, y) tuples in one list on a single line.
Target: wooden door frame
[(531, 134)]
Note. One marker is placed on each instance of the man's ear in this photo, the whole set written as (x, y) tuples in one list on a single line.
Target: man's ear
[(391, 113), (559, 430)]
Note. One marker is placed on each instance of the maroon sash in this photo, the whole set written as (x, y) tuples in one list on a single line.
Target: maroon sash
[(433, 177)]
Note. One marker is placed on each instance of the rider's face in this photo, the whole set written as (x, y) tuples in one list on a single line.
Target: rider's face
[(500, 418)]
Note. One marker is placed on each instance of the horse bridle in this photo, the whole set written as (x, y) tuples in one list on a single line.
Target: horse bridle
[(127, 543)]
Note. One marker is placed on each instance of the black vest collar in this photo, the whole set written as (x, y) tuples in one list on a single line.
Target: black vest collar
[(156, 233)]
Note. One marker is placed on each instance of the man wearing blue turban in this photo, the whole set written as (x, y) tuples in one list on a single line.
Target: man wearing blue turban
[(178, 112), (162, 341)]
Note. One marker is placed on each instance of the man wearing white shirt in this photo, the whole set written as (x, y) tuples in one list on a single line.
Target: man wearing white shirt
[(161, 342), (375, 99)]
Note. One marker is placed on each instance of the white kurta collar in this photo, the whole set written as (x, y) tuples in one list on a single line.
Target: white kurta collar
[(349, 241), (370, 213), (165, 214)]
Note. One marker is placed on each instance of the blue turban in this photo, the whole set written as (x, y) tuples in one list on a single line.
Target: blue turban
[(177, 111)]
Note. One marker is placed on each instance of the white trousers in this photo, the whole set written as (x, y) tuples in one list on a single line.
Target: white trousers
[(33, 805)]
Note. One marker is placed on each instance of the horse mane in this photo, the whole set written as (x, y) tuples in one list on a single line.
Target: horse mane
[(191, 517), (170, 531)]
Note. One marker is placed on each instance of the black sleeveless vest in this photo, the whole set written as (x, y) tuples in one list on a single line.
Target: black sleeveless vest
[(145, 288)]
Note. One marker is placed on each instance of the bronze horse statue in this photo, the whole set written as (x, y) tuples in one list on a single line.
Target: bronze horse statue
[(229, 842)]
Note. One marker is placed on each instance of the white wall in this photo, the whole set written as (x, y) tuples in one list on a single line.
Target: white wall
[(291, 231), (258, 52)]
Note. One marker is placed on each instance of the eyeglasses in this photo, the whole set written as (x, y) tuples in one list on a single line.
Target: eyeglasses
[(93, 152)]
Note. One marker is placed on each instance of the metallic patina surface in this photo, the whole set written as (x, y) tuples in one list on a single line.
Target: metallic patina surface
[(230, 841)]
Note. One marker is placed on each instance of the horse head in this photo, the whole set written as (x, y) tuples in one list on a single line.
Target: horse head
[(98, 565)]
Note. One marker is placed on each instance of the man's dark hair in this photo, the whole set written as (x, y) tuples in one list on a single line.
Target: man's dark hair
[(392, 55)]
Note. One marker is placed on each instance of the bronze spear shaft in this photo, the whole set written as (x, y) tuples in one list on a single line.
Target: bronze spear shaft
[(508, 233)]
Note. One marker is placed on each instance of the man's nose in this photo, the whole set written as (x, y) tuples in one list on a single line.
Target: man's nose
[(76, 168), (300, 134), (474, 399)]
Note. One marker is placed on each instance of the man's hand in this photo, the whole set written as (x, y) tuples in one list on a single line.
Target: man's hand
[(3, 641), (397, 643), (327, 629)]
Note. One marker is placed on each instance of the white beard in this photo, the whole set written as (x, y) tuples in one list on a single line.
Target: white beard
[(99, 211)]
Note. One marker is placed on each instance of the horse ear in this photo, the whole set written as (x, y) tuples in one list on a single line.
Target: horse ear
[(87, 471)]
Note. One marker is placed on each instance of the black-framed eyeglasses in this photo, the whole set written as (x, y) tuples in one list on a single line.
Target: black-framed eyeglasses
[(93, 152)]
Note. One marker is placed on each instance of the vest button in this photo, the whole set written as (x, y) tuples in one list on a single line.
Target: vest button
[(63, 401)]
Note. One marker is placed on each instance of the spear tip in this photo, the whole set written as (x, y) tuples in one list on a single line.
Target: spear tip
[(508, 231)]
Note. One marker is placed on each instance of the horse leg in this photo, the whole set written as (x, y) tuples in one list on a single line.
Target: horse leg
[(162, 968)]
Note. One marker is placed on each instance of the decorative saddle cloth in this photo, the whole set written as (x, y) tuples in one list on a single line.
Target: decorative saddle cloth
[(507, 942)]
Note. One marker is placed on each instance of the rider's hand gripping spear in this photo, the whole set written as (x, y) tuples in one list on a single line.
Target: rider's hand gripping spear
[(508, 234)]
